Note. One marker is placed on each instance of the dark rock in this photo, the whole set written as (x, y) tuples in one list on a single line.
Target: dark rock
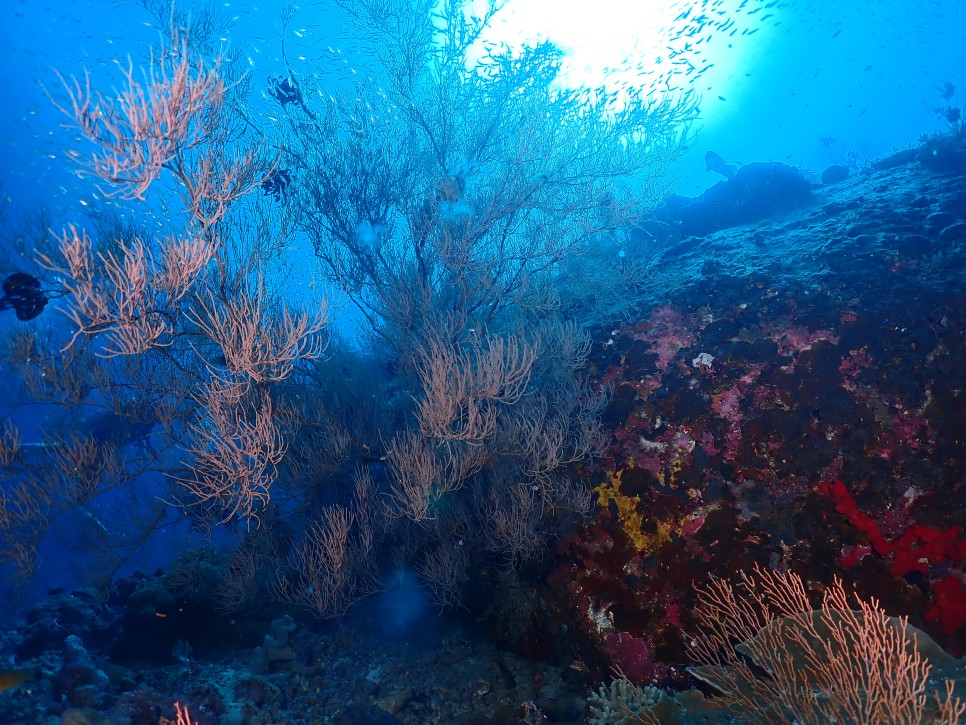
[(953, 233), (857, 230), (84, 716), (953, 203), (563, 710), (578, 676), (943, 155), (835, 174), (756, 191), (939, 219), (366, 715), (79, 681), (900, 158), (79, 612)]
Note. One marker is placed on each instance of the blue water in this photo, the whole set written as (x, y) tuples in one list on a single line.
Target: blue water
[(867, 74)]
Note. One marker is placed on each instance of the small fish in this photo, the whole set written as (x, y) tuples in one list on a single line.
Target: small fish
[(10, 679)]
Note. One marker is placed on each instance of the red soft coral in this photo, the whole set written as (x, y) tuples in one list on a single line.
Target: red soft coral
[(918, 547), (948, 608)]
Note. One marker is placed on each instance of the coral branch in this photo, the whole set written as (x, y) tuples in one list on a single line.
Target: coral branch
[(141, 132)]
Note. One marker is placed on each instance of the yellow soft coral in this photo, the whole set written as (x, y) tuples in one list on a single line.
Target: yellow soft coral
[(629, 515)]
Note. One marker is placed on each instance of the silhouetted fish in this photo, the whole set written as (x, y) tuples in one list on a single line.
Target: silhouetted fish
[(22, 292), (121, 431), (717, 164)]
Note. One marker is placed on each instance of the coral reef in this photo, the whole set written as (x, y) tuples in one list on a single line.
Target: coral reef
[(803, 420)]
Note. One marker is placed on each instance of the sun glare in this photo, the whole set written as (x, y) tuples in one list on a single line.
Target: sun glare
[(607, 42)]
